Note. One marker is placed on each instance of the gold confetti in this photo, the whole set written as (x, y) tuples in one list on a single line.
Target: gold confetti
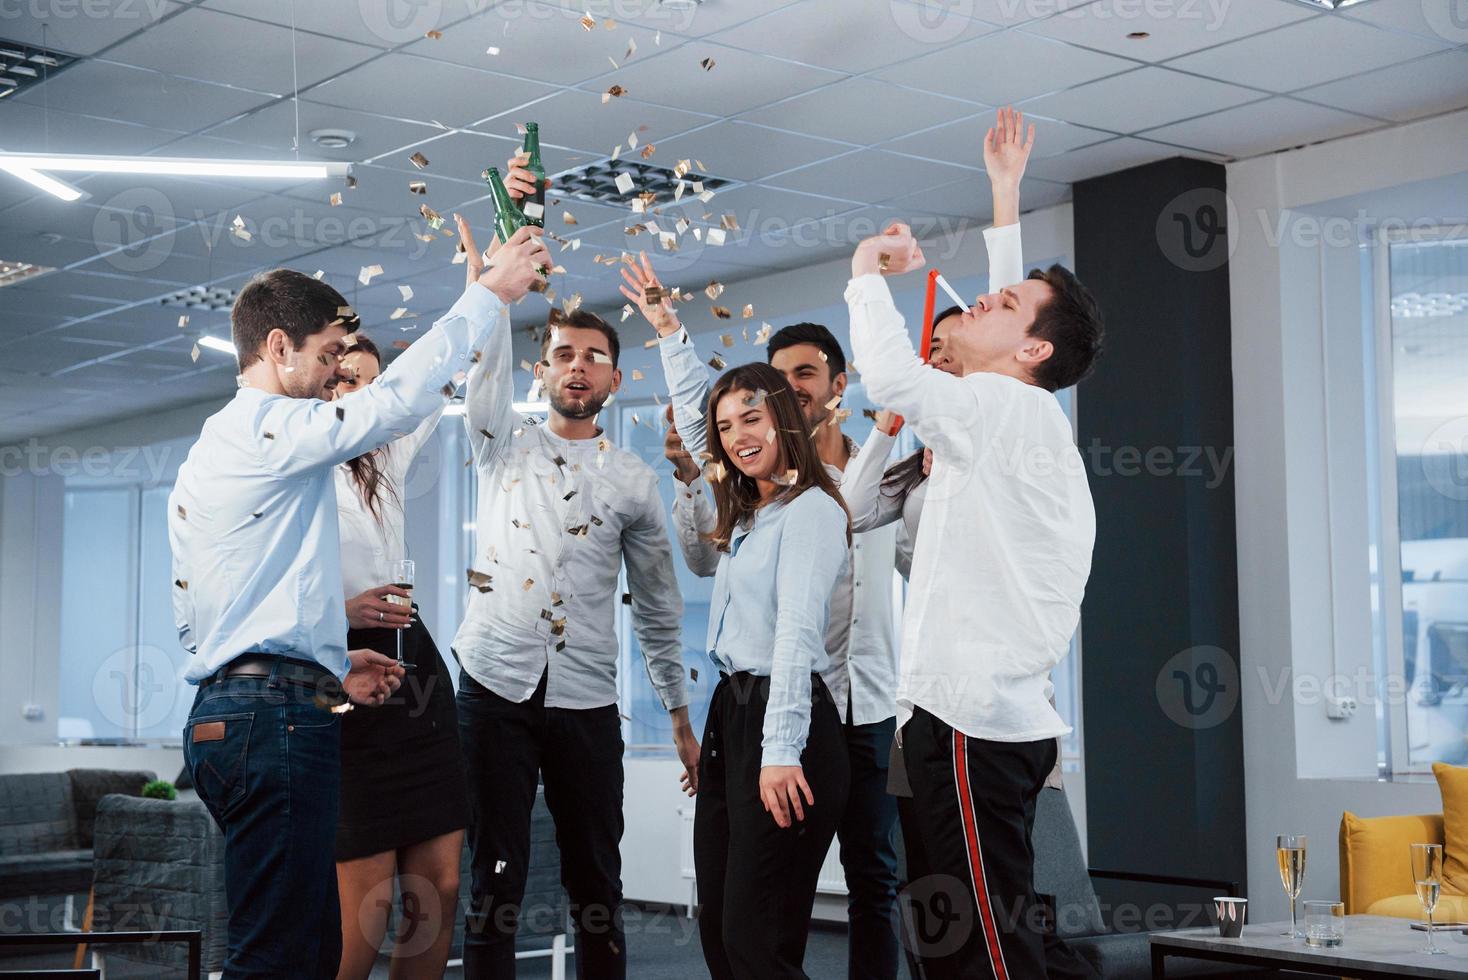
[(615, 92), (419, 160), (648, 151), (399, 313), (570, 219), (351, 182), (434, 35), (757, 399), (716, 362), (708, 65), (748, 311), (693, 673), (402, 344), (636, 375), (414, 187), (183, 321), (716, 236), (349, 341), (194, 354), (528, 584), (406, 292), (653, 295), (182, 513), (625, 182), (786, 479), (727, 339), (649, 344), (770, 436), (883, 261), (336, 199), (181, 584), (588, 22), (480, 580), (730, 222), (268, 435), (365, 274), (722, 312), (435, 220), (714, 289), (822, 355)]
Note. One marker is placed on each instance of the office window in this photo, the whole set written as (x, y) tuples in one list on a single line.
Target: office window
[(1422, 607)]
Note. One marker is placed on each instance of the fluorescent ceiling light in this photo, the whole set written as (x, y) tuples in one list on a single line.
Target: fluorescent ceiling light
[(215, 343), (13, 272), (46, 183), (176, 166)]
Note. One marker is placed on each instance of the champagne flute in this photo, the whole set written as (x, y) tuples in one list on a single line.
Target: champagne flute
[(1427, 874), (1290, 849), (402, 574)]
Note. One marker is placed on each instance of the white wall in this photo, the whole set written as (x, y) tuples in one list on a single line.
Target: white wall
[(1299, 537)]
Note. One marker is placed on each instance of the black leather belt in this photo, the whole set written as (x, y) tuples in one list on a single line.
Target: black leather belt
[(287, 671)]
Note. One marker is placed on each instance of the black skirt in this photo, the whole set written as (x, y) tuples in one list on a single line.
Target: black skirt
[(402, 771)]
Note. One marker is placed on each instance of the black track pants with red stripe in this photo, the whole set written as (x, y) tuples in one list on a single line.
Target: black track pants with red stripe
[(970, 900)]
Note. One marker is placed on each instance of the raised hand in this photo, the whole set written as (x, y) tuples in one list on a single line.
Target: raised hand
[(684, 468), (639, 278), (474, 264), (519, 181), (515, 266), (1007, 147), (893, 252)]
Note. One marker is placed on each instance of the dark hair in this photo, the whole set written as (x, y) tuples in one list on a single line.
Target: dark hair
[(736, 495), (289, 300), (809, 333), (1071, 321), (582, 320), (903, 476), (367, 468)]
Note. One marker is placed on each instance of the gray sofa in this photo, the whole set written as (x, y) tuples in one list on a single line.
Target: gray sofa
[(1062, 875), (46, 830)]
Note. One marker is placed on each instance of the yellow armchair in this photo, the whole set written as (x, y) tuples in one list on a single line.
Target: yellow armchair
[(1376, 867)]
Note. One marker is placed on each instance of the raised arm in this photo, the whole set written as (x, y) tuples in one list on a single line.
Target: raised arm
[(943, 408), (1006, 151), (693, 507), (686, 375), (861, 484)]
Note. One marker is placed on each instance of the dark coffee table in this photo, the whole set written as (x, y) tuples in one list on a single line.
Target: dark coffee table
[(1377, 947)]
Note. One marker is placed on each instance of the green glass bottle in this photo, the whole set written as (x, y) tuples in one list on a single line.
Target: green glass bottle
[(507, 217), (532, 147)]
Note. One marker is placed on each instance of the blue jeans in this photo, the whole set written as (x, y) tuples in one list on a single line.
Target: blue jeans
[(869, 854), (266, 762)]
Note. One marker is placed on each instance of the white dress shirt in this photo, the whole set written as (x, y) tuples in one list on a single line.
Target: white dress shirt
[(370, 545), (556, 520), (1004, 548), (862, 651), (252, 519)]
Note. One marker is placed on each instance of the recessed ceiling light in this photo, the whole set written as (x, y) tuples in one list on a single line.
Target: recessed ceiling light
[(13, 272), (201, 298), (598, 182), (333, 139)]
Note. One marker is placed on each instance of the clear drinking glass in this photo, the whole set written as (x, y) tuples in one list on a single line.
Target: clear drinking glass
[(402, 576), (1290, 849), (1325, 923), (1427, 874)]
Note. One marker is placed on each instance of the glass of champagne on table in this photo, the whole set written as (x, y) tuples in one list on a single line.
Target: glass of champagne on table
[(402, 577), (1427, 874), (1290, 849)]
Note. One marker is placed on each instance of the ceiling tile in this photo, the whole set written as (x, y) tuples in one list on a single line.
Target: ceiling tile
[(865, 35), (742, 151), (465, 155), (523, 33), (1173, 28), (1140, 99), (579, 121), (214, 47), (381, 23), (870, 176), (1438, 20), (695, 21), (274, 128), (35, 129), (425, 90), (148, 98), (962, 142), (1263, 127), (1102, 158), (79, 33), (1273, 60), (738, 81), (1008, 74), (861, 110), (1437, 83)]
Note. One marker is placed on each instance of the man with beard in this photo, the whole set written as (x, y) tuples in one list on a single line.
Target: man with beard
[(560, 510), (863, 672)]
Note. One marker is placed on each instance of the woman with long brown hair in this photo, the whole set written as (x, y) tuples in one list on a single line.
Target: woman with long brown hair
[(403, 800), (773, 772)]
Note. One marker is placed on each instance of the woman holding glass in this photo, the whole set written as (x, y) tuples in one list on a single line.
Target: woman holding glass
[(773, 774), (403, 802)]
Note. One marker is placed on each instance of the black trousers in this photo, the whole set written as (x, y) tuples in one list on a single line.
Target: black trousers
[(577, 754), (970, 899), (756, 881), (869, 854)]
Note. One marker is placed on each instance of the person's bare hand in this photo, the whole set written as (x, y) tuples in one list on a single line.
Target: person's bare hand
[(372, 678), (891, 253), (1007, 148), (780, 790), (639, 278), (519, 181), (516, 265), (373, 610), (684, 468)]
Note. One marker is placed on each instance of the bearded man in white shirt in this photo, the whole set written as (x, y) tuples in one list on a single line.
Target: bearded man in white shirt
[(999, 569)]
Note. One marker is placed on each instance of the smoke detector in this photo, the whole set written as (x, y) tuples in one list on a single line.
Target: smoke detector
[(333, 139)]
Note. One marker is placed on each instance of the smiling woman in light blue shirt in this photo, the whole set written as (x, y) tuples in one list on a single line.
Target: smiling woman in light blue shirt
[(773, 775)]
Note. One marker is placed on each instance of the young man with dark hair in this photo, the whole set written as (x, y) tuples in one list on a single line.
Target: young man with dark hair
[(560, 510), (1008, 509), (252, 522)]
